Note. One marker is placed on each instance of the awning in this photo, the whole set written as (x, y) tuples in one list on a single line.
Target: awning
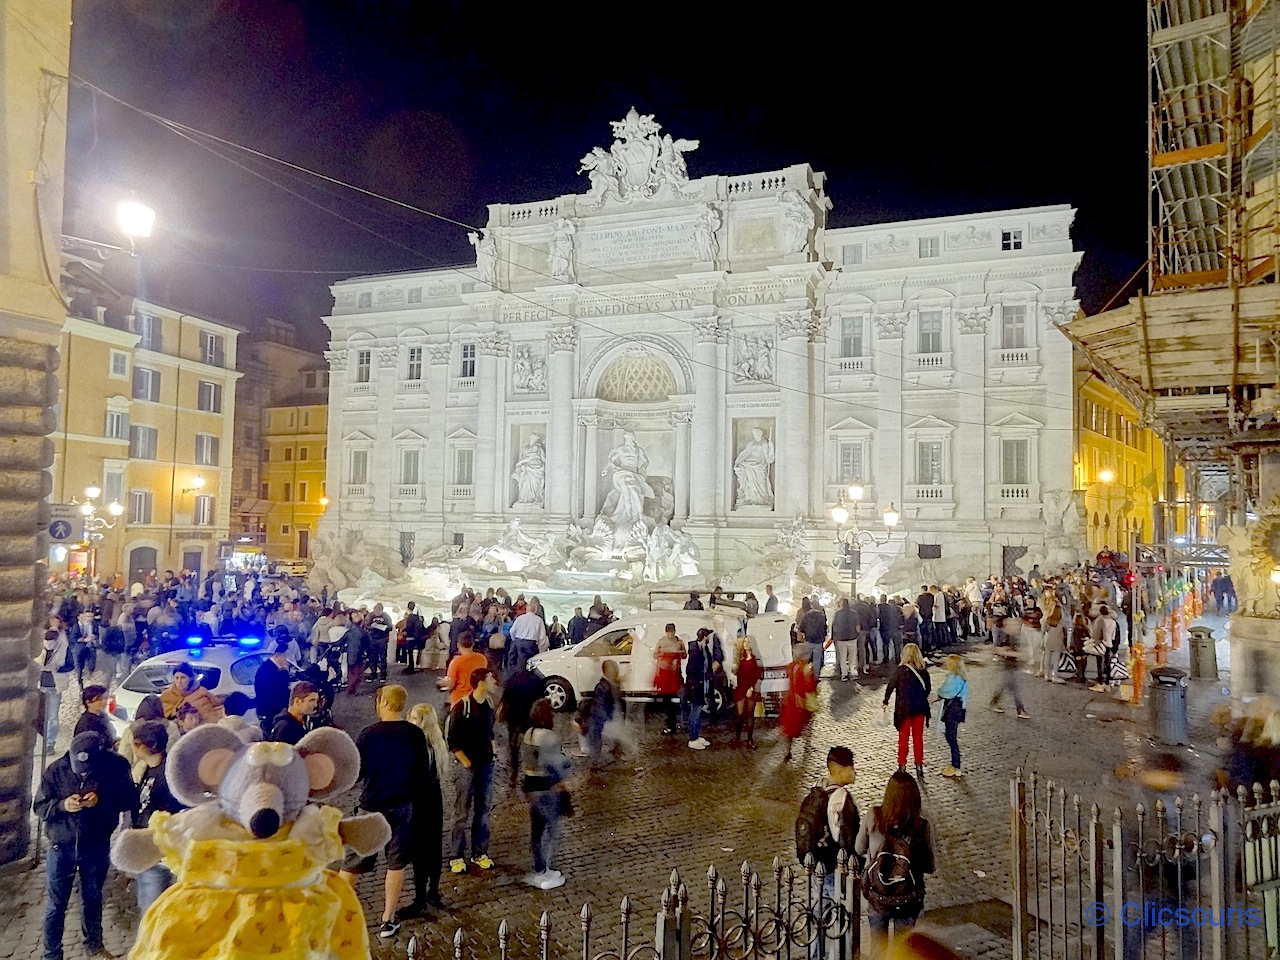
[(253, 508)]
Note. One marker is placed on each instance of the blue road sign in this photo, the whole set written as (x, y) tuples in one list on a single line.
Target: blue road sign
[(60, 530)]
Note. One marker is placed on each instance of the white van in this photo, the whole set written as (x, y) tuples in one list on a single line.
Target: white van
[(571, 673)]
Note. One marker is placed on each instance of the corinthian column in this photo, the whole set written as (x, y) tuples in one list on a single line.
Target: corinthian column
[(795, 414), (561, 343), (709, 332), (492, 349)]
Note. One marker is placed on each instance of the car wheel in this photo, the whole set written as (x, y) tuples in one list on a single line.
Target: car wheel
[(559, 693)]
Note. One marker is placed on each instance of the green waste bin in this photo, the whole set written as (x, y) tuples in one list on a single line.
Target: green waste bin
[(1204, 654), (1168, 697)]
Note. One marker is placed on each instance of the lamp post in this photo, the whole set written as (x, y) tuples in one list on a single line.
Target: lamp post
[(94, 524), (851, 536), (136, 221)]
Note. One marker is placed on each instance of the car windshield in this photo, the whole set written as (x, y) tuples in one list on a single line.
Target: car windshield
[(155, 677), (614, 643), (246, 668)]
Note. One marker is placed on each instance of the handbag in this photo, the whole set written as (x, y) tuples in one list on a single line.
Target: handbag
[(1119, 671), (953, 710), (566, 801), (1066, 663)]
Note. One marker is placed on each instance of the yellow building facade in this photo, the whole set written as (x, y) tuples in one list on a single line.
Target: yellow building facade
[(1121, 470), (145, 416), (295, 451)]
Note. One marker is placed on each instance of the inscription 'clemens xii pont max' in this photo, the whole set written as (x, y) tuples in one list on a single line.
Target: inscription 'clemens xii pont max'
[(641, 244)]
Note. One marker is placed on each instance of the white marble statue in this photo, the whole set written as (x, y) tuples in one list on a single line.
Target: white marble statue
[(639, 163), (752, 468), (624, 506), (684, 553), (755, 360), (530, 472), (799, 220), (486, 256), (706, 245), (560, 258), (528, 371), (1250, 574), (602, 169)]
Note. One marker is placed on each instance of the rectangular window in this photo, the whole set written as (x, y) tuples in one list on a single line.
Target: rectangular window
[(851, 336), (207, 450), (365, 299), (415, 364), (292, 415), (1015, 461), (212, 350), (146, 384), (309, 381), (850, 462), (288, 493), (929, 462), (364, 365), (209, 396), (288, 454), (302, 491), (204, 513), (142, 442), (306, 418), (140, 506), (324, 488), (112, 486), (284, 528), (462, 464), (148, 330), (359, 466), (409, 467), (1010, 239), (303, 453), (930, 331), (1013, 327), (265, 491), (468, 367), (117, 425), (851, 254), (119, 364), (929, 247), (415, 294)]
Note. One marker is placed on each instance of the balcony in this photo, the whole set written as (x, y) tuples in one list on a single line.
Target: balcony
[(413, 386), (462, 491), (1018, 357), (361, 389), (929, 361), (408, 491), (357, 491), (854, 365), (930, 492), (1016, 492), (464, 383)]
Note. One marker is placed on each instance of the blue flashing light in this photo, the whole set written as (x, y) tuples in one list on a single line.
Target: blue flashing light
[(250, 641), (194, 641), (197, 653)]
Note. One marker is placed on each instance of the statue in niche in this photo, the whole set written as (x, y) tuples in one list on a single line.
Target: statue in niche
[(799, 220), (530, 472), (623, 508), (752, 470), (706, 246), (755, 360), (486, 256), (528, 372), (560, 258)]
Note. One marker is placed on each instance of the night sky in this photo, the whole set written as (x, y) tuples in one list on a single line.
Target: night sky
[(450, 106)]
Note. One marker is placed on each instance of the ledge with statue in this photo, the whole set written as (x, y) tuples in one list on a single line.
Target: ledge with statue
[(1255, 628)]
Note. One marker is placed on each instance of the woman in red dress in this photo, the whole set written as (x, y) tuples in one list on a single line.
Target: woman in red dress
[(801, 699), (746, 694), (667, 681)]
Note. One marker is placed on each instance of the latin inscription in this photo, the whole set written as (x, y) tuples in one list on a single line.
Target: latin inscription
[(648, 243)]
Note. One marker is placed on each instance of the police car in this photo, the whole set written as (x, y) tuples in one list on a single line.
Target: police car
[(224, 665)]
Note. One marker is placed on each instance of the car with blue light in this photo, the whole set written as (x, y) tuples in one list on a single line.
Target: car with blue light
[(224, 665)]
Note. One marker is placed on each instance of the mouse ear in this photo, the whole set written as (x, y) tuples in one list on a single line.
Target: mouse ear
[(198, 762), (332, 760)]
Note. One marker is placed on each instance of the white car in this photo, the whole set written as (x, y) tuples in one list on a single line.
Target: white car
[(571, 673), (224, 665)]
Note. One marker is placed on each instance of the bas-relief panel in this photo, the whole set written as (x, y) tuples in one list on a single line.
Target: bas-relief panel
[(754, 456), (753, 237), (527, 479)]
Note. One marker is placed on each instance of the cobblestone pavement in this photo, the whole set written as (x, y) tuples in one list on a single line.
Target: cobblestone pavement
[(669, 808)]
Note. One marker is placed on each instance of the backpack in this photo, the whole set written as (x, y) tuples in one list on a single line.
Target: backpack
[(811, 823), (113, 640), (889, 882)]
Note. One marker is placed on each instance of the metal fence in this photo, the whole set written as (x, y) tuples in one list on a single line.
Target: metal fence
[(799, 914), (1173, 879)]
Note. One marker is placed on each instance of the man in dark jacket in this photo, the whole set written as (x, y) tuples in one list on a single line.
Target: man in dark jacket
[(357, 647), (151, 748), (415, 637), (844, 632), (891, 623), (271, 686), (94, 719), (864, 615), (290, 726), (924, 607), (577, 627), (814, 627), (81, 797)]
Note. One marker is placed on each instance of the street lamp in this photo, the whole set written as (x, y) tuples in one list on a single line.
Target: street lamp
[(136, 221), (94, 524), (197, 484), (851, 537)]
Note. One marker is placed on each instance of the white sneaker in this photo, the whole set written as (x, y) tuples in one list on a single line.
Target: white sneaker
[(704, 741), (551, 879), (698, 744)]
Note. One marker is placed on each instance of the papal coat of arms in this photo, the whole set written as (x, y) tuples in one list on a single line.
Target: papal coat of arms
[(639, 164)]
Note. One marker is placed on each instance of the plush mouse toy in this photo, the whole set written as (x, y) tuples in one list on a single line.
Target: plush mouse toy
[(250, 855)]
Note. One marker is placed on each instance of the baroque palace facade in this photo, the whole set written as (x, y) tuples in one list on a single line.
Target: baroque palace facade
[(707, 353)]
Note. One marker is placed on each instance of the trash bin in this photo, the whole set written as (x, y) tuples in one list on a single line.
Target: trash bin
[(1168, 692), (1204, 654)]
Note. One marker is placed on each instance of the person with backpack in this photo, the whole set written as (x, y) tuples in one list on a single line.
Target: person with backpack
[(898, 845), (827, 823), (954, 694), (910, 682)]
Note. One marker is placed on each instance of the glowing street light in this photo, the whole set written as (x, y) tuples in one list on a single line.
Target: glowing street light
[(135, 218), (1107, 475)]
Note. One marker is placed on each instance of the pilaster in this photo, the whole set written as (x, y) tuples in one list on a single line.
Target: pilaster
[(562, 342)]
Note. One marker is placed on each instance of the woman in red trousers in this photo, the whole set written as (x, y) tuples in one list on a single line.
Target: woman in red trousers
[(911, 710), (801, 699)]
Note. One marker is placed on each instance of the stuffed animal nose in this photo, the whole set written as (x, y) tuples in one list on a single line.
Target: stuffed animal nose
[(264, 824)]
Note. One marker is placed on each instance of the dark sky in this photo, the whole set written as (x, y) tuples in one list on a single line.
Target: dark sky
[(911, 112)]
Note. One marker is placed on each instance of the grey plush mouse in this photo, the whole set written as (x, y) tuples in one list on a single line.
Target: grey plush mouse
[(251, 838)]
